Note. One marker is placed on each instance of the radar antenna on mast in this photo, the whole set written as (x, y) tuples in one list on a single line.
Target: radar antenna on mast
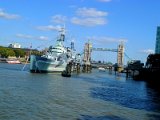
[(62, 31)]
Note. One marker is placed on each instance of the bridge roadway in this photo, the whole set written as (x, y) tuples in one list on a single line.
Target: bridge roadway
[(105, 49)]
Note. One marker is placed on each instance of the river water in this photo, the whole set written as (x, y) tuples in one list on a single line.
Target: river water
[(86, 96)]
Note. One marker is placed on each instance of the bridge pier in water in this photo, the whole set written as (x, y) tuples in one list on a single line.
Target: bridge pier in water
[(86, 68)]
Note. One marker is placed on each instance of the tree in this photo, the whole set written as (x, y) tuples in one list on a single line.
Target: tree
[(10, 52), (5, 52), (36, 52), (19, 53), (2, 52), (153, 61)]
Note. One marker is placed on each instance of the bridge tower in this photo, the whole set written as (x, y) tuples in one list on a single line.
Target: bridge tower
[(87, 57), (120, 55)]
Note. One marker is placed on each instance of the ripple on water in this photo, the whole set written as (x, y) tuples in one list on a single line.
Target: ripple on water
[(87, 117), (26, 96), (125, 96)]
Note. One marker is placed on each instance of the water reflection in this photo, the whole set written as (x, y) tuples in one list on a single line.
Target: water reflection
[(131, 94), (87, 117), (153, 93)]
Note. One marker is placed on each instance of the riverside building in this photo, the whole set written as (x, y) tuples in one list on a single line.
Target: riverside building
[(157, 49)]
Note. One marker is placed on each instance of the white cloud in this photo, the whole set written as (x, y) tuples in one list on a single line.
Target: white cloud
[(88, 21), (104, 40), (24, 36), (49, 28), (104, 0), (89, 17), (5, 15), (90, 12), (42, 38), (59, 19), (147, 51), (31, 37)]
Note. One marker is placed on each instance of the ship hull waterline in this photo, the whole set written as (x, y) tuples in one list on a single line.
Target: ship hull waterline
[(40, 64)]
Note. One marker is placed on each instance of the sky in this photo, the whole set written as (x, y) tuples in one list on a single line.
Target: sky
[(105, 23)]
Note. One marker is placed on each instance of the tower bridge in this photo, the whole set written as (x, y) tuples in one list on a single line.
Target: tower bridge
[(119, 50), (88, 49)]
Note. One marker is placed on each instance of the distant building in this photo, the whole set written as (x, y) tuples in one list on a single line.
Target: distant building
[(14, 45), (157, 49)]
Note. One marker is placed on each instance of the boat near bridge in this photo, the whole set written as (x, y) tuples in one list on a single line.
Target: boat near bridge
[(102, 69)]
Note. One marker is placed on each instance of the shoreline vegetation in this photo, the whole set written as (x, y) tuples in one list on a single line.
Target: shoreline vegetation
[(17, 54)]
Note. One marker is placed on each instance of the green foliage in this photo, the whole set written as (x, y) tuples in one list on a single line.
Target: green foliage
[(19, 53), (10, 52), (36, 53), (5, 52)]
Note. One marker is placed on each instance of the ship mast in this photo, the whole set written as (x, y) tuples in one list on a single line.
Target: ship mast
[(62, 34)]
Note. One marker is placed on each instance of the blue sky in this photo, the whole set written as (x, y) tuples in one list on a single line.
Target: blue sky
[(104, 22)]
